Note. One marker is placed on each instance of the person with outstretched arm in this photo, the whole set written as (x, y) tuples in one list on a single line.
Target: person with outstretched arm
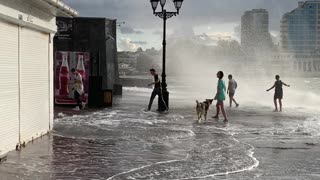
[(278, 94)]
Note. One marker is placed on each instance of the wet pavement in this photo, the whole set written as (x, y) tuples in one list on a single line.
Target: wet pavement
[(125, 142)]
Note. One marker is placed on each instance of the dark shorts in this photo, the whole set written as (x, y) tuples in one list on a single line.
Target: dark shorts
[(219, 102), (278, 95), (231, 94)]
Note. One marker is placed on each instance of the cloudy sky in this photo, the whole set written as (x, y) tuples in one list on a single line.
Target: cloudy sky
[(212, 18)]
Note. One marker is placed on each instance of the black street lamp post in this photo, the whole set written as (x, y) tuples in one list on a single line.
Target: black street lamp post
[(163, 103)]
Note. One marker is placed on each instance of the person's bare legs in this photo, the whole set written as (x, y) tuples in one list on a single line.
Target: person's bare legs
[(223, 111), (280, 103), (221, 105), (275, 105), (231, 99), (237, 105), (217, 111)]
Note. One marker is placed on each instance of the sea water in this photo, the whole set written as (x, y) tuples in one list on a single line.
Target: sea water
[(126, 142)]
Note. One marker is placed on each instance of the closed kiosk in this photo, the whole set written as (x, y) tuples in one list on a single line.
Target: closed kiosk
[(26, 69)]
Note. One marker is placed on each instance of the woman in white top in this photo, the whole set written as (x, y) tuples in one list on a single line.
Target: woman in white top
[(78, 87)]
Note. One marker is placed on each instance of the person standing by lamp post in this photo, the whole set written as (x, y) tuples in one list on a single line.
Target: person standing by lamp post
[(163, 103)]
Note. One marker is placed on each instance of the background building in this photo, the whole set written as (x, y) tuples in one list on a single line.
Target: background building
[(300, 36), (26, 68), (255, 36)]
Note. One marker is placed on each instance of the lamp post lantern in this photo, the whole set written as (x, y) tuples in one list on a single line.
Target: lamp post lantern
[(163, 103)]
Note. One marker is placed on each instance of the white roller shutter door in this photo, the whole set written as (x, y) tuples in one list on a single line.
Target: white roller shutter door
[(9, 87), (34, 89)]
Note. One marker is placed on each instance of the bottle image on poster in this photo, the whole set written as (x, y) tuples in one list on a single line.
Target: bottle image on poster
[(80, 67), (64, 76)]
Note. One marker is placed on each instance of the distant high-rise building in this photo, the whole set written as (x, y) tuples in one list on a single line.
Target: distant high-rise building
[(255, 36), (300, 36), (300, 29)]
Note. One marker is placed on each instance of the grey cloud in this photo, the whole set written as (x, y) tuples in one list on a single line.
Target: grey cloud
[(237, 31), (206, 39), (126, 45), (129, 30), (184, 30), (138, 13), (157, 32), (139, 42)]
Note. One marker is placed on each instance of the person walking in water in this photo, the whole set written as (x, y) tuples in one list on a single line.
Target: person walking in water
[(278, 94), (157, 87), (220, 97), (232, 86), (78, 88)]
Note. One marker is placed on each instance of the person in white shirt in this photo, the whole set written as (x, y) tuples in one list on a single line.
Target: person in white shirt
[(78, 88), (232, 90)]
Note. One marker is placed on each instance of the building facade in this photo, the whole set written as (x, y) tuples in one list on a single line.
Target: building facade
[(96, 36), (255, 36), (300, 36), (26, 69)]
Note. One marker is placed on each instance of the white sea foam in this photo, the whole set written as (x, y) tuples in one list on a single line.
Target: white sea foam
[(143, 167), (138, 89), (81, 138), (140, 121), (186, 132), (311, 126), (61, 115), (250, 153), (146, 91), (98, 123)]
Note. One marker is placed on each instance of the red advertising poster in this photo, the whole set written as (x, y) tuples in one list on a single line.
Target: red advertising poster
[(64, 62)]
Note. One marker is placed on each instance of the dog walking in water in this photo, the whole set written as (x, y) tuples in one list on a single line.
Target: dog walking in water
[(202, 110)]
